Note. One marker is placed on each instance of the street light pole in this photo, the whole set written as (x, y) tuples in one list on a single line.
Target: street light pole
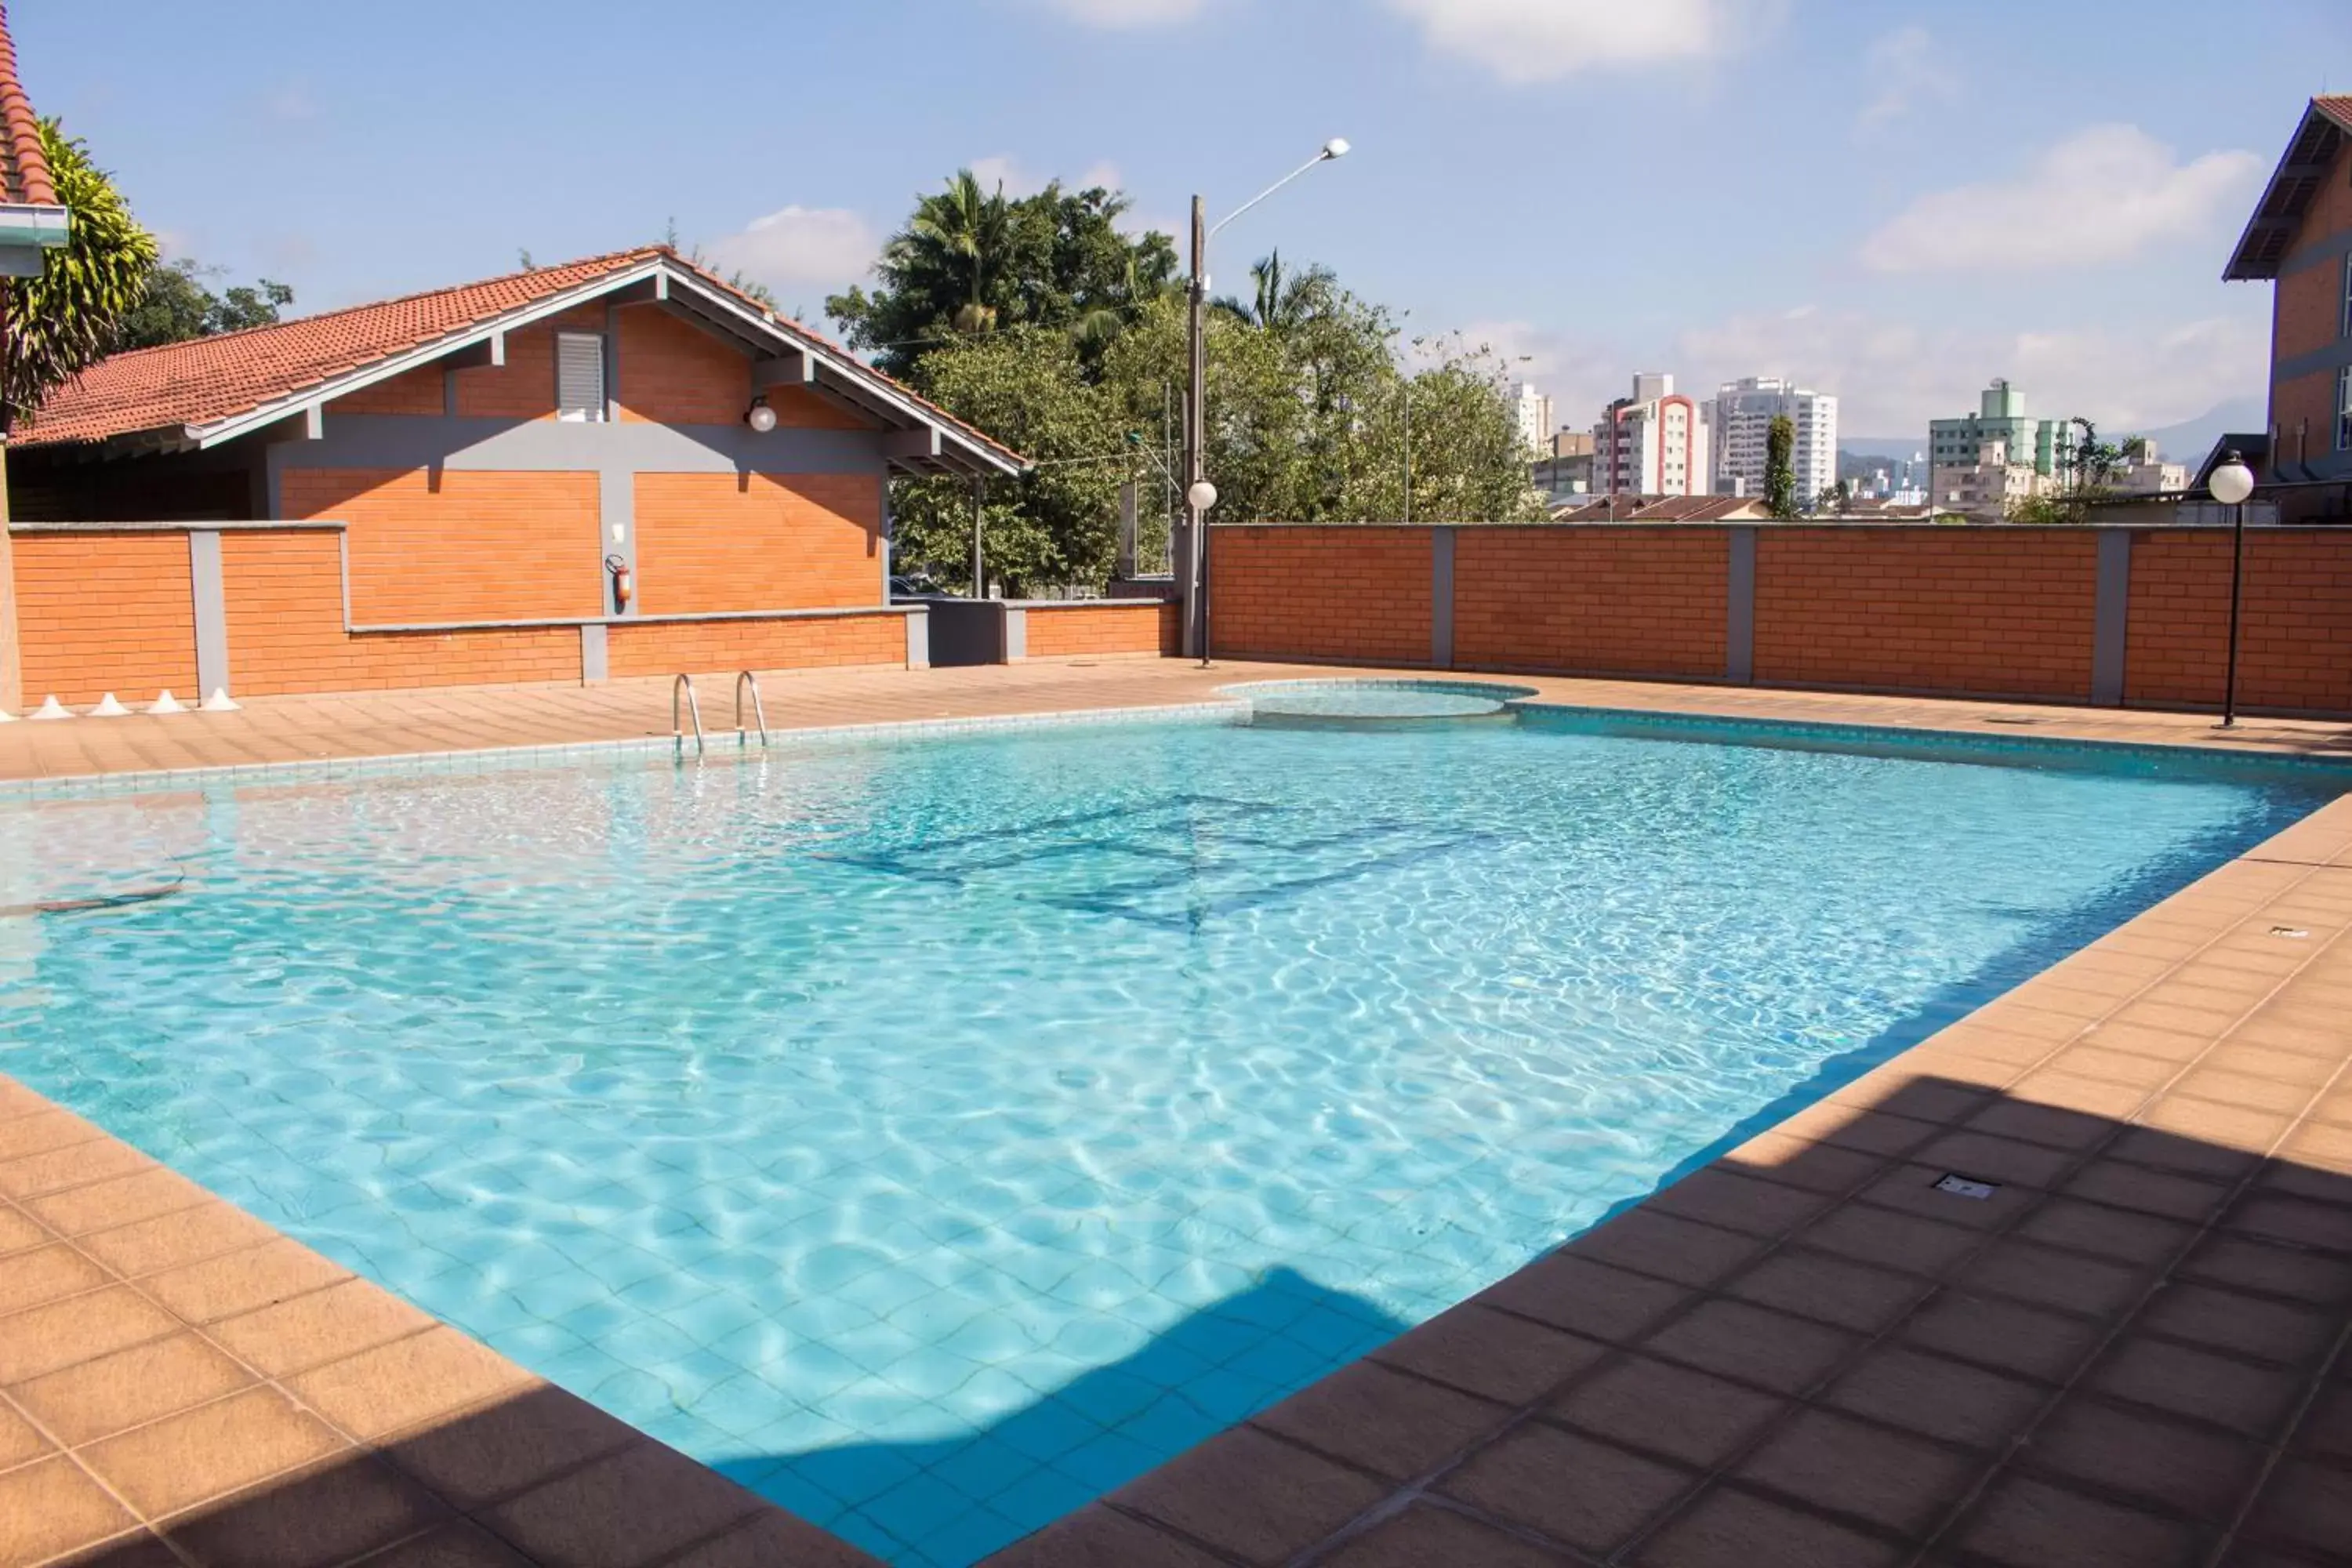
[(2231, 483), (1200, 495)]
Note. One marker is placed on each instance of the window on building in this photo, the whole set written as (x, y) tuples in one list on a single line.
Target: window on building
[(2344, 409), (580, 375)]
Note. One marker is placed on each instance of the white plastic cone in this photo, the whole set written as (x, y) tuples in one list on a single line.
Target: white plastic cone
[(220, 701), (108, 708), (51, 709), (167, 703), (6, 717)]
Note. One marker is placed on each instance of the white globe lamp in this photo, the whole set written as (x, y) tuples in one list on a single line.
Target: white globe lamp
[(1201, 496)]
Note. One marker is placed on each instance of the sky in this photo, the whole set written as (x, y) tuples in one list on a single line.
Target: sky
[(1890, 201)]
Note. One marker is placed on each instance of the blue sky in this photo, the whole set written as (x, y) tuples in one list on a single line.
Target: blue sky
[(1893, 202)]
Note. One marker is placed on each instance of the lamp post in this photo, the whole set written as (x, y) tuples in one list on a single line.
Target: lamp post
[(1196, 406), (2231, 483)]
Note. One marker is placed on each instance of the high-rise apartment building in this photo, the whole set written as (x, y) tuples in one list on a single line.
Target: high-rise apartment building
[(2001, 413), (1654, 443), (1535, 419), (1744, 411)]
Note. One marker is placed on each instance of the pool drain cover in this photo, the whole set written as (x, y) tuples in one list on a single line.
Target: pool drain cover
[(1966, 1187)]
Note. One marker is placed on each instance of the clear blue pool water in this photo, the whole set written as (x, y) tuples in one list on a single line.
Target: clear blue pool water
[(934, 1134)]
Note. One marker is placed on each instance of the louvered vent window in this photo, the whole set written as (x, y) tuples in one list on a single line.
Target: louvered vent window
[(579, 376)]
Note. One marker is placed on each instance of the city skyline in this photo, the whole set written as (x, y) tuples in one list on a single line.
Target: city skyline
[(1975, 215)]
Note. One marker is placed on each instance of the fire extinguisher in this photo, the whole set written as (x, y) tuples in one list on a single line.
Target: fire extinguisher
[(624, 582)]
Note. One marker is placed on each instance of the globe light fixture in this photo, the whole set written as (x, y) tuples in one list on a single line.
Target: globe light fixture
[(2233, 481), (759, 417), (2231, 484), (1201, 496)]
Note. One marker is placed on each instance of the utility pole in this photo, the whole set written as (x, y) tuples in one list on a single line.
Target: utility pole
[(1196, 403), (979, 582), (1408, 448)]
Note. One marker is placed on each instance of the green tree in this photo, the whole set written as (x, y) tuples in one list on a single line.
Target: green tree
[(64, 320), (969, 261), (1284, 302), (1835, 500), (1779, 468), (174, 306)]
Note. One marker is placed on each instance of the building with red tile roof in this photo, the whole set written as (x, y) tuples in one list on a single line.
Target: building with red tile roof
[(619, 465)]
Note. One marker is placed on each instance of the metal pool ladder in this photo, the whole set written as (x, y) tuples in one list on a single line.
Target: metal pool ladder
[(759, 709), (685, 684)]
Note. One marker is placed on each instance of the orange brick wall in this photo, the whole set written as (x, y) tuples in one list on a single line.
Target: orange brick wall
[(674, 373), (523, 387), (1617, 601), (797, 408), (697, 647), (2304, 410), (758, 541), (105, 612), (413, 391), (2295, 647), (483, 547), (284, 601), (1359, 593), (1994, 611), (1100, 628)]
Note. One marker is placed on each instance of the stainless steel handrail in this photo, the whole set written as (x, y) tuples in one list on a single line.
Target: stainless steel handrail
[(759, 708), (677, 732)]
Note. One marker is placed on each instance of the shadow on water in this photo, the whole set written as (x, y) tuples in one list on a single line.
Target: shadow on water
[(955, 1501)]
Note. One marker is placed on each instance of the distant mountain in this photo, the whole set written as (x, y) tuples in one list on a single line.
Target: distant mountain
[(2185, 442)]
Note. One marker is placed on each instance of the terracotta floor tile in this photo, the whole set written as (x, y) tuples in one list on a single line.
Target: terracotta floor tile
[(75, 1165), (1896, 1090), (319, 1327), (1251, 1496), (2007, 1160), (1719, 1195), (1828, 1461), (81, 1328), (45, 1274), (242, 1281), (20, 1232), (2280, 1270), (2248, 1325), (2100, 1100), (1659, 1244), (171, 1240), (2127, 1071), (497, 1450), (2206, 1386), (2305, 1505), (2052, 1122), (1751, 1344), (1732, 1530), (2327, 1226), (1687, 1416), (1826, 1288), (52, 1508), (397, 1385), (2319, 1146), (637, 1506), (1383, 1421), (1803, 1162), (1588, 1494), (1864, 1132), (121, 1201), (2049, 1276), (2117, 1235), (42, 1132), (775, 1540), (2227, 1126), (1887, 1239), (1572, 1292), (1492, 1355), (319, 1516), (98, 1398), (1916, 1190), (1938, 1398), (2172, 1466), (2161, 1193), (2032, 1524), (1424, 1535), (2243, 1090), (209, 1451), (20, 1441), (460, 1545), (2005, 1335)]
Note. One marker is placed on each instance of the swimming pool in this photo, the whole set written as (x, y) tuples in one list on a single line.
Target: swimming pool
[(934, 1134)]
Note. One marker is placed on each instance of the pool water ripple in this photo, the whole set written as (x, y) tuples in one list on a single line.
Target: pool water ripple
[(936, 1135)]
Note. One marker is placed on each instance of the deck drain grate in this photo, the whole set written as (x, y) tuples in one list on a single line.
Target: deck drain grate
[(1961, 1186)]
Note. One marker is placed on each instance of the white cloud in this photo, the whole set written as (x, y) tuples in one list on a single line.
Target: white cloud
[(2104, 195), (800, 248), (1891, 376), (1128, 14), (1543, 40), (1910, 71), (1019, 180)]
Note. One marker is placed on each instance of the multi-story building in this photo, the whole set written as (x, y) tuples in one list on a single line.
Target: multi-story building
[(1654, 443), (1535, 419), (1744, 411), (1982, 487), (1567, 470), (2300, 241), (2143, 472), (2001, 414)]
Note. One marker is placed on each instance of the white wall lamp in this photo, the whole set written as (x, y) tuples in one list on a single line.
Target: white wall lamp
[(759, 417)]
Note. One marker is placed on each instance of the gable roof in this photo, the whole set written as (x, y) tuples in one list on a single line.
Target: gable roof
[(1661, 509), (206, 390), (23, 171), (2309, 156)]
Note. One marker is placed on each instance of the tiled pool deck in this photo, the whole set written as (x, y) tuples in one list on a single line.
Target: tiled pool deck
[(2133, 1352)]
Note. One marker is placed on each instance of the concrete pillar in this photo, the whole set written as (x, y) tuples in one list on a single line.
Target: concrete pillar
[(1739, 609), (1441, 598), (2111, 626)]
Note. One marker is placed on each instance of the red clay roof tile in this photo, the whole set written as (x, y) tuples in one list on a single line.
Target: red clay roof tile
[(23, 170)]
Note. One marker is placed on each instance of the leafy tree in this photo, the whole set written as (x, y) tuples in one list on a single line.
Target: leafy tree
[(969, 261), (1780, 470), (1284, 301), (174, 305), (62, 320), (1835, 499)]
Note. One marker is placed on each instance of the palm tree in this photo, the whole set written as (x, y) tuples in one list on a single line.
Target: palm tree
[(1284, 301), (65, 319), (972, 230)]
